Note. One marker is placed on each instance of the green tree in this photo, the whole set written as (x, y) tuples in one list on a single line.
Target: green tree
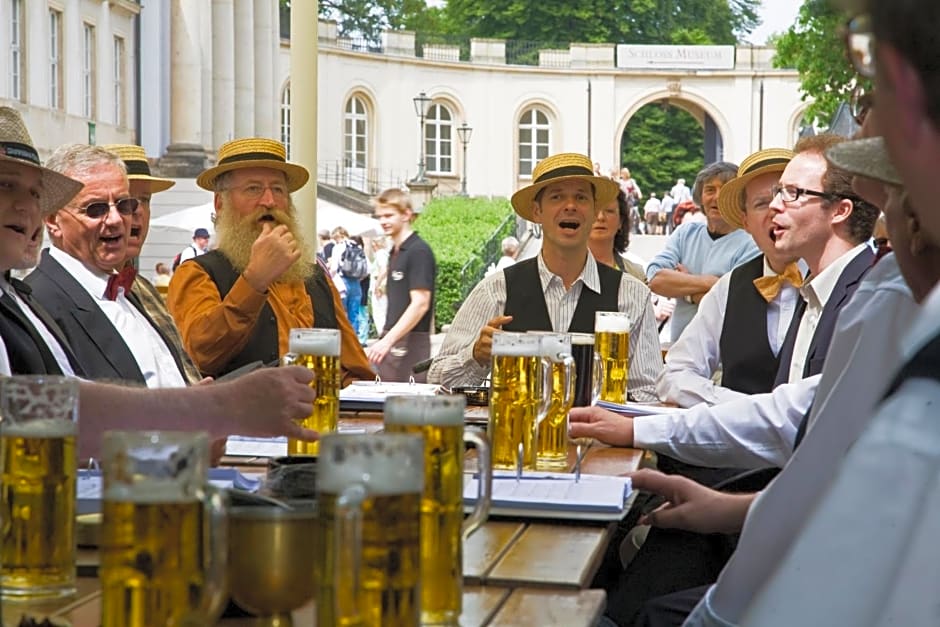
[(814, 46), (661, 144)]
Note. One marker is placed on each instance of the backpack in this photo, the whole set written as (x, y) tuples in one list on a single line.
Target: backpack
[(176, 259), (353, 264)]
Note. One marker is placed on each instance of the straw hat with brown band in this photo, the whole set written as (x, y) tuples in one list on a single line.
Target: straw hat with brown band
[(254, 152), (866, 157), (138, 168), (561, 167), (16, 146), (761, 162)]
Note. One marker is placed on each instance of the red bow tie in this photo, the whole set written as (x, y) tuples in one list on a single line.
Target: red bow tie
[(124, 278)]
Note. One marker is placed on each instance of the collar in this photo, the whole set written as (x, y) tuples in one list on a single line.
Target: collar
[(589, 275), (926, 325), (819, 288), (804, 269), (93, 280), (408, 241)]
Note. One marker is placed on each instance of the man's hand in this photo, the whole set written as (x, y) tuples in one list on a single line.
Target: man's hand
[(600, 424), (266, 402), (691, 506), (272, 253), (377, 351), (483, 347)]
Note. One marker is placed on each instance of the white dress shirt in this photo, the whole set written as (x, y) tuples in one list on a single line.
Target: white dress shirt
[(686, 380), (753, 431), (50, 340), (151, 353), (455, 365), (5, 369), (864, 353)]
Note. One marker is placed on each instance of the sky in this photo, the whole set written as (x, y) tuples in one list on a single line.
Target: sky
[(776, 17)]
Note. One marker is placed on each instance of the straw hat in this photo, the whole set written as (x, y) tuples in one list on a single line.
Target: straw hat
[(866, 157), (761, 162), (16, 146), (561, 167), (254, 152), (138, 168)]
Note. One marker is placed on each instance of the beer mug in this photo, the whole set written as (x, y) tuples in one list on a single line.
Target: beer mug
[(318, 350), (443, 528), (553, 430), (612, 343), (37, 500), (588, 370), (163, 537), (520, 393), (369, 492)]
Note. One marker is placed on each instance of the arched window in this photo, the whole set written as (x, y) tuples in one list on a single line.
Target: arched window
[(439, 140), (285, 118), (534, 140), (356, 134)]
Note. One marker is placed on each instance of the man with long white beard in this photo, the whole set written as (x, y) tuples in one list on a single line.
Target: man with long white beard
[(236, 304)]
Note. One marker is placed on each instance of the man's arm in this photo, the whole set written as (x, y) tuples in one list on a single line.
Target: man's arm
[(686, 379), (679, 283), (418, 305), (646, 361), (264, 403), (455, 363)]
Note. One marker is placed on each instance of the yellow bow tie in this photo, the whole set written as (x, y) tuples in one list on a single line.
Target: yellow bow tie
[(769, 286)]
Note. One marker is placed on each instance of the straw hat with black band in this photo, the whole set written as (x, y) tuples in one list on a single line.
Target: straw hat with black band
[(16, 146), (138, 167), (866, 157), (254, 152), (732, 193), (562, 167)]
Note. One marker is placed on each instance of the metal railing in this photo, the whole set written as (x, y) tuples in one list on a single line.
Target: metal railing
[(369, 181), (474, 270), (360, 44)]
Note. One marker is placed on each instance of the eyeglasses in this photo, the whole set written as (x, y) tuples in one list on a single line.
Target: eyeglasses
[(98, 210), (860, 103), (256, 190), (792, 193), (860, 44)]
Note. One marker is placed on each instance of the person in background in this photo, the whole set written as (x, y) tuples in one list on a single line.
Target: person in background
[(651, 214), (665, 213), (510, 248), (610, 237), (352, 294), (697, 254), (325, 245), (162, 275), (680, 191), (200, 245), (362, 316), (378, 274)]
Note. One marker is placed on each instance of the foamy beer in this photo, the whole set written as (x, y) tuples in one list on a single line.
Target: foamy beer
[(439, 419), (163, 538), (612, 343), (553, 430), (369, 490), (519, 396), (588, 369), (37, 499), (318, 350)]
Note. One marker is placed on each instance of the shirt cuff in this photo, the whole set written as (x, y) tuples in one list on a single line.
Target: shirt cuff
[(704, 616), (652, 431)]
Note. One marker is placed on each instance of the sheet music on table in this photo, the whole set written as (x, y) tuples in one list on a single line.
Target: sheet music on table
[(557, 492)]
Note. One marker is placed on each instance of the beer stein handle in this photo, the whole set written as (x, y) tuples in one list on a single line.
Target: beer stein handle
[(597, 378), (545, 403), (215, 558), (289, 359), (484, 485), (348, 539), (568, 362)]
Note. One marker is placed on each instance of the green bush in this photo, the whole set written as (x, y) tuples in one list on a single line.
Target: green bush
[(462, 232)]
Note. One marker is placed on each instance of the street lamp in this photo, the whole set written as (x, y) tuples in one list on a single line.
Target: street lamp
[(421, 102), (463, 132)]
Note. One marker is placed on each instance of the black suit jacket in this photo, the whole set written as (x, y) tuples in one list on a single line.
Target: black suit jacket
[(100, 350), (848, 282), (26, 350)]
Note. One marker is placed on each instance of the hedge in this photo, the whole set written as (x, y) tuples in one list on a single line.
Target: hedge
[(461, 230)]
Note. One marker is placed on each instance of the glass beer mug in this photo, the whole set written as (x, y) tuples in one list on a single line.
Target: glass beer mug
[(440, 419), (37, 488), (163, 538), (553, 430), (369, 490), (317, 350), (588, 370), (520, 392), (612, 343)]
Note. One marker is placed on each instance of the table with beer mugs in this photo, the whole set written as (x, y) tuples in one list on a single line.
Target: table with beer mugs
[(387, 544)]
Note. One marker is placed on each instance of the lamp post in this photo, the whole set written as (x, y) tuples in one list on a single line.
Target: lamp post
[(421, 102), (463, 132)]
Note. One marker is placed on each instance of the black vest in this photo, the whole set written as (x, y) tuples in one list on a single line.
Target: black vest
[(748, 363), (263, 342), (525, 300), (923, 365)]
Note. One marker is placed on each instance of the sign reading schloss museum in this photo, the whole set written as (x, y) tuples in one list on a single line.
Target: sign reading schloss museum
[(643, 57)]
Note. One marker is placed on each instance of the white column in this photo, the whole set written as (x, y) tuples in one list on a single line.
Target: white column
[(72, 31), (303, 119), (245, 62), (104, 110), (265, 92), (223, 76), (206, 46), (155, 95), (37, 52)]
